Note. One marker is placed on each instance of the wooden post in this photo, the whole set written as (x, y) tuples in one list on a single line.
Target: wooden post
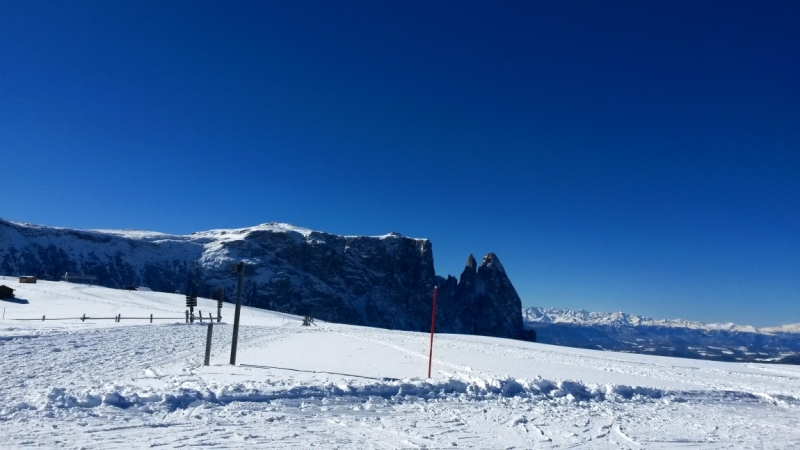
[(42, 318), (433, 325), (151, 318), (219, 304), (83, 319), (187, 316), (235, 338), (200, 313), (208, 342)]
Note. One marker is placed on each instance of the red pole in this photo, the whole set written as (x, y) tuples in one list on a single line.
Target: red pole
[(433, 325)]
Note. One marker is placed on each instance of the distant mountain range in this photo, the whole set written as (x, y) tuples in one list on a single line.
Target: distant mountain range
[(624, 332)]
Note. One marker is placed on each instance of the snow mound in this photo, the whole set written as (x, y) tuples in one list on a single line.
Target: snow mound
[(458, 387)]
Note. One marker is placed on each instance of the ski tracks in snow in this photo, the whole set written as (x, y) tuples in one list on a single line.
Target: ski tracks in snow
[(69, 388)]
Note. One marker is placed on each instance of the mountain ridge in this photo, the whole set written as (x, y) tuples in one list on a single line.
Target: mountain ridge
[(385, 281), (630, 333), (536, 314)]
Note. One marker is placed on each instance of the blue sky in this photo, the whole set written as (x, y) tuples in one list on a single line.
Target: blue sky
[(636, 156)]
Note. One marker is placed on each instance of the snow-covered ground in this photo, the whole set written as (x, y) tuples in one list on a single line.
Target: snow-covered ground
[(105, 384)]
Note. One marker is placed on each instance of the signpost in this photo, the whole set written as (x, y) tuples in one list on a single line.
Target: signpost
[(237, 268), (191, 302)]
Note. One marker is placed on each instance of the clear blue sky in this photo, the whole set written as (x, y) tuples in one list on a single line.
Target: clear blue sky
[(640, 156)]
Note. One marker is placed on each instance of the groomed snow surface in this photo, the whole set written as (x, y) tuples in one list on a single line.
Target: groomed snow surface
[(107, 384)]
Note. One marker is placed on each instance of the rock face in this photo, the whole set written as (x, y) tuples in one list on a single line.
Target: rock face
[(482, 302), (384, 281)]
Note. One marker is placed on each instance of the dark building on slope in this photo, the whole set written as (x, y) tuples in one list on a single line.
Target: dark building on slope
[(6, 292)]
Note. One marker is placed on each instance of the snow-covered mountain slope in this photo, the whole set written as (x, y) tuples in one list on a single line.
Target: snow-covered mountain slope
[(106, 384), (384, 281), (793, 328), (581, 317), (673, 337)]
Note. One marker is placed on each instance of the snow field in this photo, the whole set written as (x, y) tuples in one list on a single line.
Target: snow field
[(132, 384)]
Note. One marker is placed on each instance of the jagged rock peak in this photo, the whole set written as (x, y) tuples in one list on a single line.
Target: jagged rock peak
[(482, 302), (492, 261)]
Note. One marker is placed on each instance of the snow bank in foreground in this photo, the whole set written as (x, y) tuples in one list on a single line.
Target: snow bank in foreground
[(460, 388)]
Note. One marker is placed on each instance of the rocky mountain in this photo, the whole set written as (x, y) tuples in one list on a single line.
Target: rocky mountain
[(483, 300), (383, 281), (624, 332)]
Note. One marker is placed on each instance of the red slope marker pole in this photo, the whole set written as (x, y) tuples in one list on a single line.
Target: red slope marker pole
[(433, 326)]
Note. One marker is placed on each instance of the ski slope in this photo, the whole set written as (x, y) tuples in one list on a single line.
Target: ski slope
[(107, 384)]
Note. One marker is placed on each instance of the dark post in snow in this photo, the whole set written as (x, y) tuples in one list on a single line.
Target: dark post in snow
[(237, 268), (208, 342), (433, 326), (191, 302), (219, 305)]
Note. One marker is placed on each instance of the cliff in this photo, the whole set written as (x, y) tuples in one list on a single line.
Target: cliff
[(383, 281)]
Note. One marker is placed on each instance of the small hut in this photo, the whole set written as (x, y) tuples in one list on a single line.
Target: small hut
[(6, 292), (28, 279)]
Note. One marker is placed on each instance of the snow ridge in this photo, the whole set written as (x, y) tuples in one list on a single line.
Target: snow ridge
[(458, 388)]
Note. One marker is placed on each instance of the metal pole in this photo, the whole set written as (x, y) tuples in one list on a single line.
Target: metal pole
[(433, 325), (208, 342), (239, 268)]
